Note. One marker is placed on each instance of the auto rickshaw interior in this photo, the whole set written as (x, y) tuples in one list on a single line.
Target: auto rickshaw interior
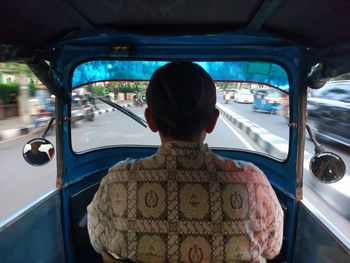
[(54, 229)]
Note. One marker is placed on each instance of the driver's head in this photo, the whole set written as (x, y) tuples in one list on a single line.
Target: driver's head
[(181, 97), (35, 146)]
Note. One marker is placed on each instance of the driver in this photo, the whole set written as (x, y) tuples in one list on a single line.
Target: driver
[(185, 203)]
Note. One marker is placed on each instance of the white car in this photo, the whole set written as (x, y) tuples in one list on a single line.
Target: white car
[(244, 96)]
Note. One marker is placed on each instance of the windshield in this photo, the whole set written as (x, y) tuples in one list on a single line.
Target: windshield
[(97, 123), (252, 71)]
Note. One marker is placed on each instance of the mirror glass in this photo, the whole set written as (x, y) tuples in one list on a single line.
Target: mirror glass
[(38, 151), (327, 167)]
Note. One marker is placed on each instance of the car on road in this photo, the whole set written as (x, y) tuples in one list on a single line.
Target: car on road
[(243, 96), (329, 112), (232, 93), (267, 99)]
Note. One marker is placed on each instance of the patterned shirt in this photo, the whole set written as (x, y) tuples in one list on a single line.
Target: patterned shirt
[(186, 204)]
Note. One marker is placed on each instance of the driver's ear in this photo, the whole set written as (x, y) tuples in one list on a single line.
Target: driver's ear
[(150, 121), (214, 117)]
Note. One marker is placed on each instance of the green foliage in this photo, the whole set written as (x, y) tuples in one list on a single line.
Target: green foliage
[(9, 92), (130, 87), (228, 85), (222, 85), (15, 68), (121, 86), (96, 90), (32, 88)]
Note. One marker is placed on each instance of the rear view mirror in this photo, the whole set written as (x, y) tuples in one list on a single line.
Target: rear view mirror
[(326, 167), (38, 151)]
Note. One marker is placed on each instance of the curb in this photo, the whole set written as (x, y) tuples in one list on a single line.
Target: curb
[(13, 133), (99, 112), (270, 143)]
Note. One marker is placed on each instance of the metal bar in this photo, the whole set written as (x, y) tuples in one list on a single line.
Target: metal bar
[(49, 77), (48, 127), (75, 14), (263, 14)]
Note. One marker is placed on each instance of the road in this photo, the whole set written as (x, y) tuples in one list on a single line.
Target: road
[(115, 129), (278, 125), (21, 183)]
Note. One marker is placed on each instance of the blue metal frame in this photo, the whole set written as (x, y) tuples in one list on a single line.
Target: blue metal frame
[(72, 52), (34, 234)]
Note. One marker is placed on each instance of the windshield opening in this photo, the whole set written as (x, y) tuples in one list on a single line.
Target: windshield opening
[(248, 120)]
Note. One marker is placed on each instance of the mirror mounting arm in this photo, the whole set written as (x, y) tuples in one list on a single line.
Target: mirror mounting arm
[(318, 147), (48, 127)]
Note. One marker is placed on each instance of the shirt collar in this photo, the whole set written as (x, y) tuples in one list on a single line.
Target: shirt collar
[(180, 148)]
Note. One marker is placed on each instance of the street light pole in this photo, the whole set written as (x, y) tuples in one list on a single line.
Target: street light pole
[(23, 99)]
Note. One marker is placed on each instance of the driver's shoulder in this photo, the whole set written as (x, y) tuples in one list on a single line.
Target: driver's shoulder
[(237, 170), (123, 169)]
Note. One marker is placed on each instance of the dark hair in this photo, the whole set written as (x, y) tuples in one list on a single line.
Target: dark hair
[(181, 97)]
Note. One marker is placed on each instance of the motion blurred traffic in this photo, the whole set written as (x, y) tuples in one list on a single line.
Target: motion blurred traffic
[(328, 108)]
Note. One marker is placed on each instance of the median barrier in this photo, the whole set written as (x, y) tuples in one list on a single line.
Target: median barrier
[(268, 142)]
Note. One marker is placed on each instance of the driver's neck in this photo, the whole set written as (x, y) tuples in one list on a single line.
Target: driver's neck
[(196, 139)]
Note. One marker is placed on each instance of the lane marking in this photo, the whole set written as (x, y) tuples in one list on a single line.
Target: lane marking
[(238, 135)]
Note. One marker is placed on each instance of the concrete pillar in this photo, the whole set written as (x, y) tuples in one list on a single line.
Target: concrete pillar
[(23, 100)]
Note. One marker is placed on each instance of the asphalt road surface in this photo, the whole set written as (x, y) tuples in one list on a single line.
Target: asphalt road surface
[(21, 184)]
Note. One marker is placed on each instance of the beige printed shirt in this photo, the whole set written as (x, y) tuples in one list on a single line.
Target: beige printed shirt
[(186, 204)]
